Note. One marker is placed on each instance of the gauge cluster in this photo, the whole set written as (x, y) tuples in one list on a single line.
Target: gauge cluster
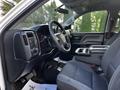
[(44, 38)]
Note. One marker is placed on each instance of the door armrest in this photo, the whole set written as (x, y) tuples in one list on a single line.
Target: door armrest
[(91, 55), (98, 49)]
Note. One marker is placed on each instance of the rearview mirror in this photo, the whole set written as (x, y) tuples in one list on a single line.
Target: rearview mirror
[(61, 10)]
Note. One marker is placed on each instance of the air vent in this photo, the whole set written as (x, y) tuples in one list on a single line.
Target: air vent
[(30, 34), (25, 40)]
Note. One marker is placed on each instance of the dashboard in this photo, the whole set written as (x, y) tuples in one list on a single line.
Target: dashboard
[(44, 39), (26, 45), (24, 48)]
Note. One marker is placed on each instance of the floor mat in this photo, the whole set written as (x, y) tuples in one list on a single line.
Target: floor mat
[(35, 86)]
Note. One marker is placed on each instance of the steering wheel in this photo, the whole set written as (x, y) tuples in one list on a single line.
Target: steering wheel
[(59, 36)]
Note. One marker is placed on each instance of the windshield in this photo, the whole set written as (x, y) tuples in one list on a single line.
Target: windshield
[(45, 14)]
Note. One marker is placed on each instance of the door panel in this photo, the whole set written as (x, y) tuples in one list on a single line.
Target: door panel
[(86, 39), (88, 29)]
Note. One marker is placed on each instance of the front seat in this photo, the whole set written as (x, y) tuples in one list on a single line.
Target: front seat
[(112, 39), (79, 76)]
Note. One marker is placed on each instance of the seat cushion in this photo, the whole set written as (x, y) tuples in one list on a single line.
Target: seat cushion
[(79, 76)]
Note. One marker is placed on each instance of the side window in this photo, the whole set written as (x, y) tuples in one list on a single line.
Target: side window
[(91, 22)]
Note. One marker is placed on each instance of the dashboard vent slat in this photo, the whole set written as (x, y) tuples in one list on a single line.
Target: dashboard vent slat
[(25, 40)]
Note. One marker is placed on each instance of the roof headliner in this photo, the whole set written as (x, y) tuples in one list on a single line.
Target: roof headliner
[(82, 6)]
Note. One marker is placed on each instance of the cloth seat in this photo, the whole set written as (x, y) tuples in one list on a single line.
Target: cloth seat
[(79, 76), (76, 75)]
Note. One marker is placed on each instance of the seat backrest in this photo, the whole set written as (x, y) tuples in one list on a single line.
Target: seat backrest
[(111, 59), (115, 80), (112, 39)]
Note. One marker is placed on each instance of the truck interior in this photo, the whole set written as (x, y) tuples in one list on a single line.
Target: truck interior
[(63, 52)]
